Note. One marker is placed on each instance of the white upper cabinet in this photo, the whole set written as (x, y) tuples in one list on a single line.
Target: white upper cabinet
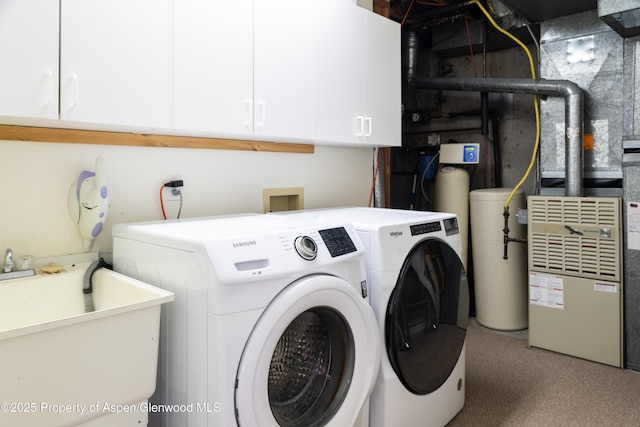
[(382, 81), (29, 52), (338, 95), (244, 68), (284, 66), (115, 62), (213, 66), (358, 91), (315, 71)]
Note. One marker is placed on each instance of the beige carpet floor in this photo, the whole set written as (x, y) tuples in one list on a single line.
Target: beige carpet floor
[(511, 384)]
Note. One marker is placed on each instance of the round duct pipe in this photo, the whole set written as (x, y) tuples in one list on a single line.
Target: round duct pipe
[(574, 112)]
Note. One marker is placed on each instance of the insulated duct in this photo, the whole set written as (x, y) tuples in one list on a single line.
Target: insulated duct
[(571, 92)]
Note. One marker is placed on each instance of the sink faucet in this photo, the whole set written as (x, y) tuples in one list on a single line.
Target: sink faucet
[(8, 261), (8, 272)]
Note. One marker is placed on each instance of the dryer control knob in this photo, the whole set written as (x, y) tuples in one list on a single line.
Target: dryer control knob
[(306, 247)]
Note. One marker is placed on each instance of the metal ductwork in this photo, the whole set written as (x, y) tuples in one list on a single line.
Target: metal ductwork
[(571, 92), (621, 15), (507, 17)]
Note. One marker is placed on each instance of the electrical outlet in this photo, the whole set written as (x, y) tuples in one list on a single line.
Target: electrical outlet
[(171, 193)]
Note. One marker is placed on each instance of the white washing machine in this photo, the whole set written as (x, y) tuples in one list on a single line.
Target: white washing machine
[(420, 296), (270, 325)]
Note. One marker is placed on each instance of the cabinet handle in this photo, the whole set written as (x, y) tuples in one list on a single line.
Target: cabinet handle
[(368, 122), (74, 78), (360, 126), (50, 95), (262, 109)]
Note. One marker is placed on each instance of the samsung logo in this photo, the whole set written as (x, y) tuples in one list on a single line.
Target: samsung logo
[(243, 244), (395, 233)]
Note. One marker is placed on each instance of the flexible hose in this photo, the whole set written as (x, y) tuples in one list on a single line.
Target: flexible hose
[(535, 101)]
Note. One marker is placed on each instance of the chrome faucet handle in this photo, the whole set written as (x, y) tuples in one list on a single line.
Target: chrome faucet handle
[(8, 261)]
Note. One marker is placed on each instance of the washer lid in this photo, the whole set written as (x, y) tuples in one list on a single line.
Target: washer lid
[(427, 316), (312, 358)]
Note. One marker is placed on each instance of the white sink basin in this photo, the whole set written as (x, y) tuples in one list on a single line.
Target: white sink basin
[(60, 366)]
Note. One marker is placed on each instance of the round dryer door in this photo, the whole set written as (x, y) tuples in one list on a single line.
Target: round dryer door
[(311, 359), (427, 315)]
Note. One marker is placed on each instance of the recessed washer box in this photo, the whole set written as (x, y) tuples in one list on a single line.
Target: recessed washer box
[(459, 154), (282, 199)]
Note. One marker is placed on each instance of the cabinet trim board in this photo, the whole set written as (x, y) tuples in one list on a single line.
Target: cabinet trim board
[(74, 136)]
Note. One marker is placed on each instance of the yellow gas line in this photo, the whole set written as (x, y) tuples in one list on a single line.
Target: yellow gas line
[(535, 99)]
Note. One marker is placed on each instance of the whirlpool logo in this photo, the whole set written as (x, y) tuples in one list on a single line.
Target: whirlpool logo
[(243, 244), (395, 233)]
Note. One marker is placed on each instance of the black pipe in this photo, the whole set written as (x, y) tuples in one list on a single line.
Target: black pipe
[(505, 231), (497, 156), (484, 112)]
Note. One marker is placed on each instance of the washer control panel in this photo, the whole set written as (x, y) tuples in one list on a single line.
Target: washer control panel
[(306, 247), (338, 241)]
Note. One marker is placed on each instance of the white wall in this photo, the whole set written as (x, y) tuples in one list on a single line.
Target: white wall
[(36, 177)]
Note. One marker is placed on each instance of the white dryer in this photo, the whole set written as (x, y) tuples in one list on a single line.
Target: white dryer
[(270, 324), (420, 295)]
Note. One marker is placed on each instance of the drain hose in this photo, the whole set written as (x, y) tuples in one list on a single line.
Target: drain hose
[(87, 284)]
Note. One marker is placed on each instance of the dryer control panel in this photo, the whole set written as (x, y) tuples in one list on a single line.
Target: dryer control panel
[(450, 226), (427, 227)]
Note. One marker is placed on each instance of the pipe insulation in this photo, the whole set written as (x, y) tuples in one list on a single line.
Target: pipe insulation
[(574, 109)]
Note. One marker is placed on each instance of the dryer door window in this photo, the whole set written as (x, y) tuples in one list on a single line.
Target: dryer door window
[(311, 359), (427, 316)]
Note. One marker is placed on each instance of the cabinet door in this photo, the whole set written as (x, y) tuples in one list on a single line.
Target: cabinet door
[(213, 66), (338, 90), (382, 81), (29, 52), (285, 32), (115, 61)]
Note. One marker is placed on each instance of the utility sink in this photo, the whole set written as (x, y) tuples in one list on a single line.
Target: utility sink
[(61, 366)]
